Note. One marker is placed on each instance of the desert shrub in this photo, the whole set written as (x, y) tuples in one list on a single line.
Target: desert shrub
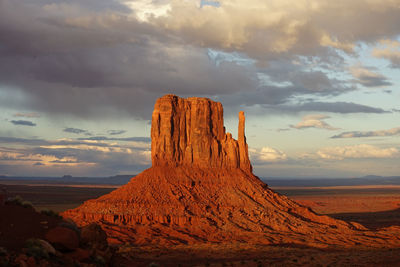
[(50, 213), (34, 248), (27, 204), (17, 200), (99, 261)]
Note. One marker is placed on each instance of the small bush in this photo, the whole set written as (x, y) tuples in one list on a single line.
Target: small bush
[(27, 204), (50, 213), (34, 248), (99, 261), (17, 200)]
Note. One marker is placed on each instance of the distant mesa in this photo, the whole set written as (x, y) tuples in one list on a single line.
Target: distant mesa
[(201, 189)]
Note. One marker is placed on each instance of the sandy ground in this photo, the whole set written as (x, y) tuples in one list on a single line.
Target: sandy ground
[(374, 207)]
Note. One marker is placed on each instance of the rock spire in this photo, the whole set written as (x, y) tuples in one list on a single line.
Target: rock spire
[(191, 132)]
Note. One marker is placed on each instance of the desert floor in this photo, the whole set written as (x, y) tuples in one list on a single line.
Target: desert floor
[(372, 206)]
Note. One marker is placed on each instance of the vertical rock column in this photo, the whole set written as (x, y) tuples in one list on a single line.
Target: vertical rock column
[(244, 162)]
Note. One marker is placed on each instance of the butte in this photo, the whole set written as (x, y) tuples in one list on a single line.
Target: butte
[(201, 189)]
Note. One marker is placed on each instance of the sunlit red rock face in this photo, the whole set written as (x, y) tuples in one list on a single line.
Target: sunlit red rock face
[(190, 132), (201, 189)]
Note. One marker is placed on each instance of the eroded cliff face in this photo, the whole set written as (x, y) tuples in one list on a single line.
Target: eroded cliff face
[(191, 132)]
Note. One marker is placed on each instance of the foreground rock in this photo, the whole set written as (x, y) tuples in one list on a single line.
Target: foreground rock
[(201, 189)]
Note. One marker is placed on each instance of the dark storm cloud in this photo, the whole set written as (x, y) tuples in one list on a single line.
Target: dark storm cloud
[(23, 122), (76, 131), (67, 65), (89, 59)]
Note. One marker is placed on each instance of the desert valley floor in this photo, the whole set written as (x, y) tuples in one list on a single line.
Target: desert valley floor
[(372, 206)]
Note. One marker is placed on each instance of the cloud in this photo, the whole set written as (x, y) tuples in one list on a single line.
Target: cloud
[(127, 139), (266, 155), (314, 121), (356, 134), (357, 152), (23, 122), (333, 107), (390, 50), (95, 59), (76, 131), (116, 132), (368, 77), (27, 115), (87, 157), (268, 30)]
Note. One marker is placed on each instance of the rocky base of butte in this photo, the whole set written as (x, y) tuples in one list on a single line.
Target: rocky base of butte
[(201, 189)]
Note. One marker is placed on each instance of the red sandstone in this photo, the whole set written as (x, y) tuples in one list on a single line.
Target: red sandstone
[(201, 189)]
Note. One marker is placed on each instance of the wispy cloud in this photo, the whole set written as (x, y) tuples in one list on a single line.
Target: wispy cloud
[(357, 152), (73, 156), (76, 131), (390, 50), (128, 139), (27, 115), (23, 123), (314, 121), (369, 77), (116, 132), (356, 134)]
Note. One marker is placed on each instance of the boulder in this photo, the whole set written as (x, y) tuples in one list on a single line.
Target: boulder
[(62, 238), (94, 235)]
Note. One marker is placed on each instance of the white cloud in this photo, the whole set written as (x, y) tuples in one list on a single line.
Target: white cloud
[(357, 152), (389, 50), (27, 115), (266, 155), (263, 29), (369, 77), (146, 9), (314, 121)]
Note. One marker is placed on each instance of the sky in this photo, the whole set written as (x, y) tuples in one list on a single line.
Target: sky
[(318, 81)]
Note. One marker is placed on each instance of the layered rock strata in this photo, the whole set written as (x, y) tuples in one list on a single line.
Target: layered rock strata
[(201, 189), (190, 132)]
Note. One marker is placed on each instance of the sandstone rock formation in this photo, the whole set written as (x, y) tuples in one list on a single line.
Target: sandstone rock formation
[(190, 132), (201, 189)]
